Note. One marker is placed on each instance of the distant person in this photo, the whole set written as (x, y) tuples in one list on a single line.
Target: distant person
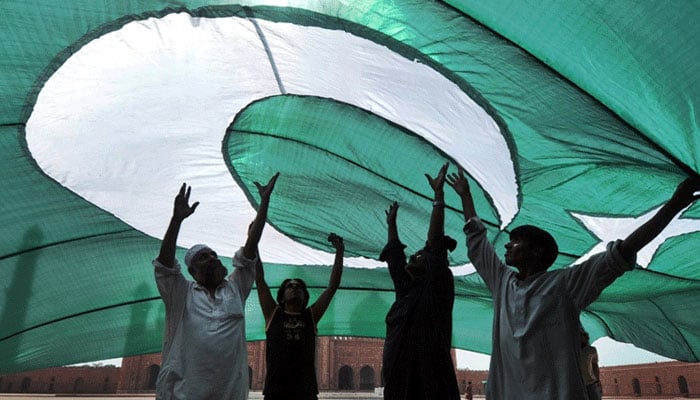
[(536, 337), (290, 330), (589, 367), (469, 391), (417, 362), (204, 347)]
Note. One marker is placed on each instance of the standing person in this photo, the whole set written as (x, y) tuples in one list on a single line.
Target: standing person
[(417, 350), (536, 336), (290, 330), (204, 346), (589, 367), (469, 391)]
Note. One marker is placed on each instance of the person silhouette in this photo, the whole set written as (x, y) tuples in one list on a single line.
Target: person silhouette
[(536, 339), (417, 360)]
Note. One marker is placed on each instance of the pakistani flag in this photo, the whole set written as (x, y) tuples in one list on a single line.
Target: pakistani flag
[(577, 116)]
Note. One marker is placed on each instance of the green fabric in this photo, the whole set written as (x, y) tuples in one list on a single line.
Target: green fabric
[(595, 101)]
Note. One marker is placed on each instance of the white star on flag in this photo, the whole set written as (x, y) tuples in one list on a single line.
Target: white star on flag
[(609, 229)]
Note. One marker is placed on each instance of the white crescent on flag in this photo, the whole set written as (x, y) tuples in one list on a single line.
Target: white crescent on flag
[(108, 140)]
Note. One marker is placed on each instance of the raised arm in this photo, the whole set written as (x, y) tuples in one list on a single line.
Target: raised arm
[(267, 302), (436, 230), (684, 195), (250, 249), (181, 210), (392, 230), (460, 184), (321, 305)]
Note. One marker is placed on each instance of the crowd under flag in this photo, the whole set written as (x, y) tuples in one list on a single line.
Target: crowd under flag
[(579, 117)]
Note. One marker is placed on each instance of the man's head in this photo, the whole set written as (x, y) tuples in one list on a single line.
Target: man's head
[(417, 264), (531, 249), (204, 266), (293, 290), (432, 256)]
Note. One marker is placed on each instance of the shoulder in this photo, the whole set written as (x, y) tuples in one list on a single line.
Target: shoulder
[(392, 249), (474, 225)]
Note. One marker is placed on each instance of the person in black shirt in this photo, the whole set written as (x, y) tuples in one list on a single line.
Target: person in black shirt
[(417, 351), (290, 329)]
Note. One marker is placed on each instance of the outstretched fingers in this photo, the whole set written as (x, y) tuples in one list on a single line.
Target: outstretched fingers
[(266, 190), (437, 182), (392, 209), (182, 208), (458, 181)]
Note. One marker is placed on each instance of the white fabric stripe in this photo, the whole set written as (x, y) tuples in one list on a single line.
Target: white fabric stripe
[(100, 122)]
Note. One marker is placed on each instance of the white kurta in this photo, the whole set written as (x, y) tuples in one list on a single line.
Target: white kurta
[(536, 338), (204, 347)]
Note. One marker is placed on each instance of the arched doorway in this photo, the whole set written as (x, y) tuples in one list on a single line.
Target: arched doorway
[(24, 387), (345, 378), (683, 386), (153, 371), (657, 383), (636, 387), (78, 385), (367, 378)]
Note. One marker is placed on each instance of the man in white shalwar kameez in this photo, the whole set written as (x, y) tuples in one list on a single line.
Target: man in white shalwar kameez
[(536, 329), (204, 346)]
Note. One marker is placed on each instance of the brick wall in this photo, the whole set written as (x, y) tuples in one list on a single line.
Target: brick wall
[(76, 380), (138, 374), (667, 378), (477, 378), (343, 363)]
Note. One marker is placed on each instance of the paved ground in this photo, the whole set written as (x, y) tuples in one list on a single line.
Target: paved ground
[(253, 396)]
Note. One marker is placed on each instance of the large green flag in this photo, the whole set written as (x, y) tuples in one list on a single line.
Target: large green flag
[(579, 117)]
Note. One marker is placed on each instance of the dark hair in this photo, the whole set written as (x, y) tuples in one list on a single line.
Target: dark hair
[(441, 246), (280, 291), (539, 238)]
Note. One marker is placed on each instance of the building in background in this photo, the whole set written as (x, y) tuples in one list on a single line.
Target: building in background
[(343, 364), (77, 380)]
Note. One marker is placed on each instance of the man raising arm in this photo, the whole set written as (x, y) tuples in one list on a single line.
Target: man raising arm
[(536, 336), (204, 348)]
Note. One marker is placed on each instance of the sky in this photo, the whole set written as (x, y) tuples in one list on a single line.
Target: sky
[(610, 353)]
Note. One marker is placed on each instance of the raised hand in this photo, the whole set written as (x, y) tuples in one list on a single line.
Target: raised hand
[(266, 191), (391, 213), (250, 249), (687, 192), (182, 208), (438, 182), (458, 182), (336, 241), (683, 196)]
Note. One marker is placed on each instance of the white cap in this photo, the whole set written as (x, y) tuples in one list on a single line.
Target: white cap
[(193, 252)]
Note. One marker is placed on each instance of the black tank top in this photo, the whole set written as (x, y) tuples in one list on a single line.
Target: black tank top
[(291, 355)]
